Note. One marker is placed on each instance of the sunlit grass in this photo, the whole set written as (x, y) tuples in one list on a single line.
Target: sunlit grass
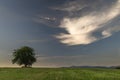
[(59, 74)]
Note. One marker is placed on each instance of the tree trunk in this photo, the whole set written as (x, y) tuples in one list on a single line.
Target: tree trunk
[(25, 65)]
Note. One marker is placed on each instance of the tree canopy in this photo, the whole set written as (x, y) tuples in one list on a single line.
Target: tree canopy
[(24, 56)]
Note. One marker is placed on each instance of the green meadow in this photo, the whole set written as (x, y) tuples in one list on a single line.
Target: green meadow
[(59, 74)]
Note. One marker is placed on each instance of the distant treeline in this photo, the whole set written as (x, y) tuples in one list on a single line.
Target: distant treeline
[(113, 67)]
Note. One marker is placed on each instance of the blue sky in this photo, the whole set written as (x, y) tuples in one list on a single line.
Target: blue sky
[(62, 32)]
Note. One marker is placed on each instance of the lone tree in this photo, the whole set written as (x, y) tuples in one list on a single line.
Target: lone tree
[(24, 56)]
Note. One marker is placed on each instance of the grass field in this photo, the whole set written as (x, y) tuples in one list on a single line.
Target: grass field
[(58, 74)]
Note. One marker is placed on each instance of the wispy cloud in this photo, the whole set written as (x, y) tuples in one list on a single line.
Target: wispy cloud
[(70, 6), (81, 29), (46, 20), (79, 60)]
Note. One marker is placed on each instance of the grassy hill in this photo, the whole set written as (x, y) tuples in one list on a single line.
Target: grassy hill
[(59, 74)]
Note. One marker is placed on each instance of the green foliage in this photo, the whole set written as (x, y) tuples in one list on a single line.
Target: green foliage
[(58, 74), (24, 56)]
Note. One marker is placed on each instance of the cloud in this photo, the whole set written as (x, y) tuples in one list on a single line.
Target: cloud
[(81, 30), (77, 60), (46, 20), (70, 6)]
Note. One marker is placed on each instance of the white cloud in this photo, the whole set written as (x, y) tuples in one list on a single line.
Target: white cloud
[(80, 29)]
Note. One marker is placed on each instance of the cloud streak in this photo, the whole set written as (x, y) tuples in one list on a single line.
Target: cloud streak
[(95, 59), (81, 30)]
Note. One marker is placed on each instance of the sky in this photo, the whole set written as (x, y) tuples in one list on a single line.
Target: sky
[(62, 32)]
